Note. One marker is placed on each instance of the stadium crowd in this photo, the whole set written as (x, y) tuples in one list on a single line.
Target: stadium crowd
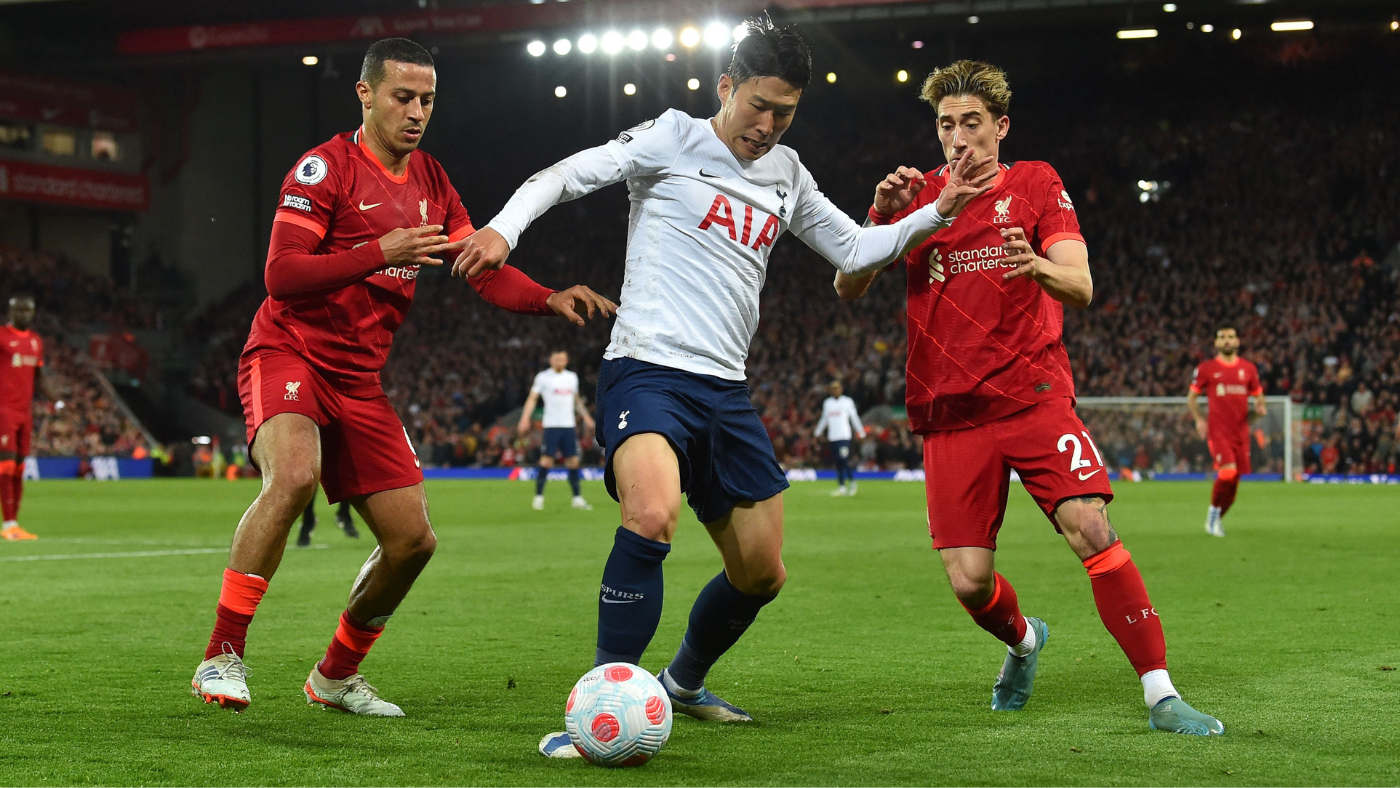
[(1285, 239), (81, 420)]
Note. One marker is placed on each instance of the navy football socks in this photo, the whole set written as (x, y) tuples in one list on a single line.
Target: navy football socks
[(629, 607), (573, 480), (721, 615), (541, 476)]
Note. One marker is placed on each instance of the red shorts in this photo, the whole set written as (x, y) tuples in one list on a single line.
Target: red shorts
[(364, 447), (1234, 449), (15, 434), (968, 472)]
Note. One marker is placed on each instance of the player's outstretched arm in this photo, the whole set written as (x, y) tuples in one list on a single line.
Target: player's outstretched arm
[(1193, 404), (510, 289), (570, 179), (858, 251), (1063, 272), (293, 267)]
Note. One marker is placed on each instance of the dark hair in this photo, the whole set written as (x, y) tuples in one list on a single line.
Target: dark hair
[(1226, 327), (399, 50), (22, 296), (769, 51)]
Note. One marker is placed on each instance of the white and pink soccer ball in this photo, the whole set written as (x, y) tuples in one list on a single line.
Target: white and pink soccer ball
[(618, 715)]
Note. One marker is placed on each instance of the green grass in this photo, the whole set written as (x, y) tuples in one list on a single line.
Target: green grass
[(865, 671)]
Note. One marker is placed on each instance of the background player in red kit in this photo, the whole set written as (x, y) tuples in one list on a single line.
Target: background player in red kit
[(990, 389), (19, 371), (1228, 382), (356, 219)]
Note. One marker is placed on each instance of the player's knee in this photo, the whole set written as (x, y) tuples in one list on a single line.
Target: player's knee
[(765, 581), (654, 521), (296, 485), (972, 589), (413, 548)]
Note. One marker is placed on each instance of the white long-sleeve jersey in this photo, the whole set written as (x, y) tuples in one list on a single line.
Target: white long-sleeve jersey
[(838, 417), (702, 226)]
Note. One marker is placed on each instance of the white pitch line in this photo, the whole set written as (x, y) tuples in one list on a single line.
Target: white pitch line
[(139, 554)]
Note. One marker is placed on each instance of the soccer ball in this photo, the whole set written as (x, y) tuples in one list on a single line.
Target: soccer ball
[(618, 715)]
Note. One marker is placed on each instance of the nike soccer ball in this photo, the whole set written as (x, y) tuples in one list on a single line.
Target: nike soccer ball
[(618, 715)]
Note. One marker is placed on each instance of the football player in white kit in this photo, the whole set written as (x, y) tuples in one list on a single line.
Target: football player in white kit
[(558, 387), (709, 198), (838, 417)]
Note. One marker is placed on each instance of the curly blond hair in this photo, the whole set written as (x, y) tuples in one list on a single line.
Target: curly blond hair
[(969, 78)]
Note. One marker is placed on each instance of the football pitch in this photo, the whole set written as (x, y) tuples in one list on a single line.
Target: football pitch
[(865, 670)]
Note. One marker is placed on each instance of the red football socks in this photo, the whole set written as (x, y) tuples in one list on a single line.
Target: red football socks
[(1001, 616), (1223, 494), (9, 482), (348, 648), (238, 601), (1126, 611), (18, 479)]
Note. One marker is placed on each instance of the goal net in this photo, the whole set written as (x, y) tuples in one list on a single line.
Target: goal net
[(1156, 437)]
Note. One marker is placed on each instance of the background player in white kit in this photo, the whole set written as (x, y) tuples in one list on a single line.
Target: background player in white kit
[(558, 387), (709, 198), (839, 416)]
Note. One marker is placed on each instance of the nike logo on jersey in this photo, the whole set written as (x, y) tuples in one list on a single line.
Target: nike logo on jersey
[(1085, 476), (704, 174), (364, 207)]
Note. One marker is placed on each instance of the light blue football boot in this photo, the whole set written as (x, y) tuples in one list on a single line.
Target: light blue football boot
[(1017, 676)]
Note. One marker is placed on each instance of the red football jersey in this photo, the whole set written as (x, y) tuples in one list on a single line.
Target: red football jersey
[(344, 194), (982, 348), (1228, 388), (24, 354)]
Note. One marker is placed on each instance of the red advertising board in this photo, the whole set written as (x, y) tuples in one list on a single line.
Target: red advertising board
[(114, 191)]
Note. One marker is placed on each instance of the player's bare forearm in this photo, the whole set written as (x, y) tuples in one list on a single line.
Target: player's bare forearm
[(1063, 272), (850, 288), (1193, 404)]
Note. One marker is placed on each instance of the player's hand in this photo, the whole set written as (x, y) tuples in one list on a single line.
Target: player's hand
[(1260, 410), (588, 422), (967, 180), (484, 249), (898, 189), (523, 427), (1020, 254), (413, 245), (1201, 427), (568, 303)]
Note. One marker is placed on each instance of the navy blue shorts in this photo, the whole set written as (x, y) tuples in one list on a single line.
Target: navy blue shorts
[(559, 441), (841, 452), (725, 455)]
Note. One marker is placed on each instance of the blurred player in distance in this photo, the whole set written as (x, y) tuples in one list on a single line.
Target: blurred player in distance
[(20, 372), (558, 387), (1229, 383), (990, 389), (839, 417), (709, 199), (343, 519), (357, 218)]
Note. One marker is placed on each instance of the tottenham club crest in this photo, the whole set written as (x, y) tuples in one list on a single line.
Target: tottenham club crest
[(1003, 211), (312, 170), (292, 387)]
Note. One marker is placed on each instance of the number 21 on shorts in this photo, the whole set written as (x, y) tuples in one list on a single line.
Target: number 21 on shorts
[(1077, 459)]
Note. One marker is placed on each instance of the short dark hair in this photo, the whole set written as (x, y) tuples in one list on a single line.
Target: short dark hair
[(1226, 327), (22, 296), (399, 50), (766, 50)]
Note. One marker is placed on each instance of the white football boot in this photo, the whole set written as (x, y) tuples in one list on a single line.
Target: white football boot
[(579, 503), (839, 491), (1214, 524), (353, 695), (559, 745), (222, 679), (538, 503)]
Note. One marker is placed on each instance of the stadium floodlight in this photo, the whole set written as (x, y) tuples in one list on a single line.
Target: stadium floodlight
[(563, 46), (1235, 34), (613, 42), (1291, 25), (693, 83), (561, 92), (690, 37), (972, 20), (629, 89), (310, 60), (831, 77), (1394, 25), (588, 43), (535, 48), (1144, 32), (902, 75), (637, 40), (917, 45), (739, 32), (1207, 28), (661, 38), (716, 35), (1169, 8)]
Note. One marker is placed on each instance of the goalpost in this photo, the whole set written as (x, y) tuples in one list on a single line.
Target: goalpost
[(1157, 437)]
